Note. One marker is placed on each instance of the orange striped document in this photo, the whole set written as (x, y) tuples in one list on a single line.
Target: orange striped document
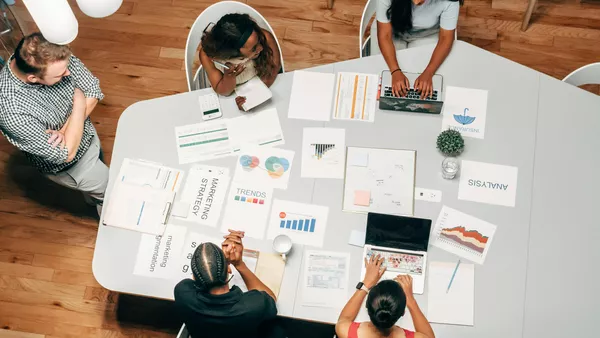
[(355, 97)]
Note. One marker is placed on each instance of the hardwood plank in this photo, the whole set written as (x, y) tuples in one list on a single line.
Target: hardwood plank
[(10, 256), (573, 44), (115, 47), (40, 247), (155, 62), (100, 295), (41, 286), (172, 53), (16, 334), (27, 271), (62, 263), (48, 235), (38, 326), (75, 278), (57, 315), (45, 301), (526, 38), (340, 30)]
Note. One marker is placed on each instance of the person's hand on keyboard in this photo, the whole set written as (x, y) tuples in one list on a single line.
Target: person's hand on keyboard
[(400, 83), (424, 85)]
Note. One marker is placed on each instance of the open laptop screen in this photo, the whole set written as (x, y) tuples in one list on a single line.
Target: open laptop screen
[(398, 232)]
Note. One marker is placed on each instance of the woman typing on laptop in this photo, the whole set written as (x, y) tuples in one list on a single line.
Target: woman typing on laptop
[(235, 50), (404, 24), (386, 303)]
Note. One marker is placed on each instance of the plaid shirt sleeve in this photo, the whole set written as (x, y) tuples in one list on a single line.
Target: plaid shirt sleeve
[(29, 135), (84, 80)]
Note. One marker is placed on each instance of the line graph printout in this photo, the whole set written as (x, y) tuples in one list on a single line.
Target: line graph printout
[(463, 235)]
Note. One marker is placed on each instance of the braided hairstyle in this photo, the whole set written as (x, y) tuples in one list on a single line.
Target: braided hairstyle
[(209, 266), (386, 304), (230, 34)]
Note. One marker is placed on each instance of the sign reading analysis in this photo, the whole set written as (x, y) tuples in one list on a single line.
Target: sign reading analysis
[(487, 184)]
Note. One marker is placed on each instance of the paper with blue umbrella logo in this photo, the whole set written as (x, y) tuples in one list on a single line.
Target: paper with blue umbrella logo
[(465, 111)]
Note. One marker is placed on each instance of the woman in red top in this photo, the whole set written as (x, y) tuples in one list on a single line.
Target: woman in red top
[(386, 303)]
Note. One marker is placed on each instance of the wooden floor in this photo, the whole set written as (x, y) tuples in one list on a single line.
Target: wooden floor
[(47, 234)]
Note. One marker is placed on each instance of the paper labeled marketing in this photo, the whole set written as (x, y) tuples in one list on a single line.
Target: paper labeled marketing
[(465, 110), (488, 183), (158, 256), (204, 191)]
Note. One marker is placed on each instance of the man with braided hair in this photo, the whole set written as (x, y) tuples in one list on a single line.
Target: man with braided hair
[(209, 308)]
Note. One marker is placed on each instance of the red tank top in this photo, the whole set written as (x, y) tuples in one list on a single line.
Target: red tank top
[(353, 331)]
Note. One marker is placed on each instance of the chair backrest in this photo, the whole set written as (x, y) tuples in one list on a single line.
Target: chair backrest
[(212, 14), (368, 12), (589, 74), (183, 332)]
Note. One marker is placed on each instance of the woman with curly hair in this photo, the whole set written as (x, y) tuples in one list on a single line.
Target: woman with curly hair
[(236, 49)]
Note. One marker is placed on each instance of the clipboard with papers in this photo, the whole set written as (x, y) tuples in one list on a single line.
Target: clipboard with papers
[(139, 208)]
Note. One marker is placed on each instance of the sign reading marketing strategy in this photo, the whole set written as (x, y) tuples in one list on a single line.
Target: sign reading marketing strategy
[(488, 183), (465, 111)]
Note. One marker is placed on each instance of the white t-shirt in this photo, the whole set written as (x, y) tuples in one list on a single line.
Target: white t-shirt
[(432, 13)]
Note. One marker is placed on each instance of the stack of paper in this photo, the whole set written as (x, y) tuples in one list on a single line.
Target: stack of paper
[(138, 208)]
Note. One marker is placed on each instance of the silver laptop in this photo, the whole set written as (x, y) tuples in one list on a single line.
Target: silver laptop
[(402, 242), (412, 101)]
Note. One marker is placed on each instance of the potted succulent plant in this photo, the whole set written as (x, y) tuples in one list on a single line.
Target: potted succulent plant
[(451, 144)]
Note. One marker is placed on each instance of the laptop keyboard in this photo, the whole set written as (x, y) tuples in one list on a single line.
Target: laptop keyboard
[(411, 94)]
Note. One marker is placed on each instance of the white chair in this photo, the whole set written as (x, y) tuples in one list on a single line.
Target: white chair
[(183, 333), (368, 12), (589, 74), (212, 14)]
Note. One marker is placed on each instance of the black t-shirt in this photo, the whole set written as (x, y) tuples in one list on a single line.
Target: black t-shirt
[(233, 314)]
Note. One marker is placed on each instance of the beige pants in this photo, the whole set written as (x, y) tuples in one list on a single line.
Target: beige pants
[(89, 175), (425, 37)]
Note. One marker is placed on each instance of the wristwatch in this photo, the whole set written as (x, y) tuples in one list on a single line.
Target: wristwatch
[(361, 286)]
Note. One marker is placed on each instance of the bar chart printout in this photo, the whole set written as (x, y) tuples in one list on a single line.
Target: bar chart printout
[(303, 223)]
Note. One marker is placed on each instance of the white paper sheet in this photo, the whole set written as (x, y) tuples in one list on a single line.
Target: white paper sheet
[(138, 208), (312, 94), (266, 166), (357, 238), (488, 183), (192, 241), (255, 92), (465, 110), (247, 209), (202, 141), (158, 256), (355, 97), (261, 129), (323, 152), (388, 178), (457, 305), (250, 257), (325, 282), (154, 175), (463, 235), (205, 190), (303, 223)]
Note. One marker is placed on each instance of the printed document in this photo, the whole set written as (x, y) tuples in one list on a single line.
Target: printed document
[(325, 282), (323, 152), (355, 97), (149, 174), (202, 141), (260, 129), (255, 92), (158, 256)]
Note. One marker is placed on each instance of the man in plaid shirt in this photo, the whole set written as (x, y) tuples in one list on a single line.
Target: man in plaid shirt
[(46, 98)]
